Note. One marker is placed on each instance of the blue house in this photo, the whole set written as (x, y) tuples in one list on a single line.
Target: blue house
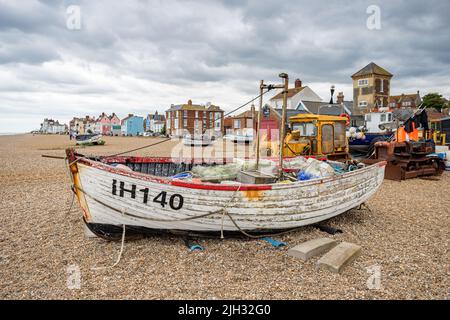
[(132, 125)]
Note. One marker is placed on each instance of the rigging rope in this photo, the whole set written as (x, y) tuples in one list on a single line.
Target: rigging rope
[(118, 257)]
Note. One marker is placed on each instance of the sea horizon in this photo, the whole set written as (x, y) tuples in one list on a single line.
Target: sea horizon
[(11, 133)]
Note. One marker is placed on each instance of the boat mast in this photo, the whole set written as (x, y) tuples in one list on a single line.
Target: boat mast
[(283, 120)]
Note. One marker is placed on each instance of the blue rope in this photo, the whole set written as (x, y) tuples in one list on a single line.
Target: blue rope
[(273, 242)]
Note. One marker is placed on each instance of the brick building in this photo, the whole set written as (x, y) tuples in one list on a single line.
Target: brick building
[(242, 122), (412, 100), (195, 119), (371, 88)]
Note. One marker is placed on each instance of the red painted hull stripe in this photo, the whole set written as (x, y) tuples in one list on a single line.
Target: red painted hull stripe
[(221, 187)]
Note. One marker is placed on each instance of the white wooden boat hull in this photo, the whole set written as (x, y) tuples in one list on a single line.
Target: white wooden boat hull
[(196, 142), (93, 140), (115, 196)]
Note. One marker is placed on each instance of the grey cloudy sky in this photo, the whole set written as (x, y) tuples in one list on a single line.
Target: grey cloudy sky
[(141, 56)]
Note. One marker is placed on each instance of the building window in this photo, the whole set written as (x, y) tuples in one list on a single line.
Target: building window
[(185, 113), (237, 124), (196, 114), (185, 122), (381, 85), (406, 103), (363, 82), (362, 104)]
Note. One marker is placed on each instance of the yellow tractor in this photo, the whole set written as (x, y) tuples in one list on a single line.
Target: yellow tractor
[(314, 135), (436, 133)]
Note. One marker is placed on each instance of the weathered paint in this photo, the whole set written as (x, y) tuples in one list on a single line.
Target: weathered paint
[(77, 189), (253, 195), (159, 203)]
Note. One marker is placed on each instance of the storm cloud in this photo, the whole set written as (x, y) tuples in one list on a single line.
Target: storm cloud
[(141, 56)]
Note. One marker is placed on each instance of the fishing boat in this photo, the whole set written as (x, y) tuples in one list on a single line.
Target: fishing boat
[(245, 136), (147, 194), (197, 140), (379, 126), (83, 139), (141, 193)]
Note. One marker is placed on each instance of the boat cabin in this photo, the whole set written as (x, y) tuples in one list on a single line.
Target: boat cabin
[(316, 135), (373, 120)]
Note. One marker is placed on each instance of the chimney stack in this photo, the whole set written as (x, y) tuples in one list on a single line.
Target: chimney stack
[(190, 102), (298, 83), (340, 98)]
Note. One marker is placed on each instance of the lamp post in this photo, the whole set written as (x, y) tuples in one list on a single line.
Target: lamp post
[(332, 92)]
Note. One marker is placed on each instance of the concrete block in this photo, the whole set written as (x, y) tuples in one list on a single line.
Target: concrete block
[(338, 257), (312, 248)]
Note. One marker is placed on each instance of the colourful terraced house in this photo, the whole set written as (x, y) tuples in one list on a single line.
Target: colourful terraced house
[(132, 125), (116, 127), (103, 124)]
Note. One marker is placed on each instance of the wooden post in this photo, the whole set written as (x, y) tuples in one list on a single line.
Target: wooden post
[(258, 124), (283, 121)]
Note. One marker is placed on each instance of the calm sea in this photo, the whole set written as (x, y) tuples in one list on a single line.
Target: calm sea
[(10, 133)]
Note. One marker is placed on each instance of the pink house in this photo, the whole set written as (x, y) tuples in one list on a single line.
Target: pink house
[(103, 124), (115, 124)]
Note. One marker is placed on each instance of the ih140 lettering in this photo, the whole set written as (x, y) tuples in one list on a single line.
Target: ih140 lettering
[(175, 200)]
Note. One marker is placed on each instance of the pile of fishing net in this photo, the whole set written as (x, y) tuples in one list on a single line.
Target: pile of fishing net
[(229, 171), (220, 172), (310, 168)]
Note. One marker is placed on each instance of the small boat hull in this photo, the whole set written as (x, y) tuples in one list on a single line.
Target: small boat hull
[(88, 139), (200, 142), (118, 196), (363, 145)]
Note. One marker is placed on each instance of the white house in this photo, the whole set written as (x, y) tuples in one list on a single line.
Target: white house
[(154, 122), (52, 126), (295, 96)]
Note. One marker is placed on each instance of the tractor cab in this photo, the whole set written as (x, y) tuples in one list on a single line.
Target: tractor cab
[(316, 135)]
